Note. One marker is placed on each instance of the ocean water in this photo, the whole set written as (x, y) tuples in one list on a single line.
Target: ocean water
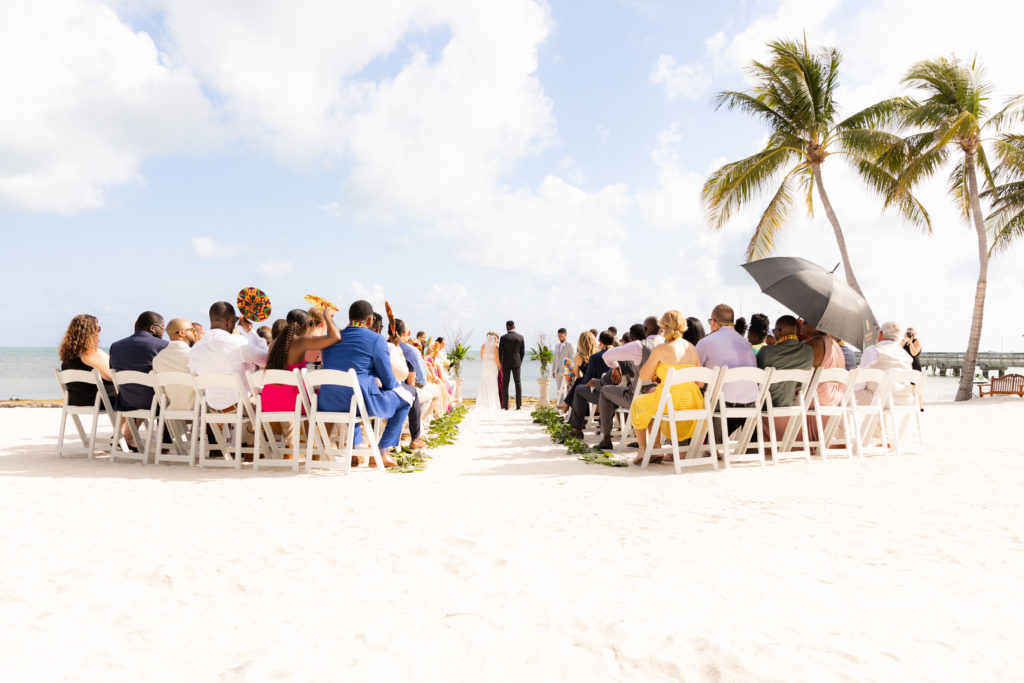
[(28, 373)]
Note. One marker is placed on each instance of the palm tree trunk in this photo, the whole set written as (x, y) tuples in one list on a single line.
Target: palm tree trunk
[(964, 392), (840, 240)]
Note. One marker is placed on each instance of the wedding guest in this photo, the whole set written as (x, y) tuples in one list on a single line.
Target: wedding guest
[(367, 353), (887, 354), (676, 353), (265, 332), (402, 370), (827, 354), (848, 355), (220, 351), (694, 331), (80, 350), (198, 330), (562, 352), (724, 347), (429, 394), (615, 335), (588, 393), (317, 327), (757, 334), (624, 363), (136, 353), (277, 328), (174, 358), (787, 354), (586, 346), (912, 345), (288, 352), (741, 327)]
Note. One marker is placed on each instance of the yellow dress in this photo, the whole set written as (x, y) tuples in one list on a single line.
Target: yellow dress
[(684, 397)]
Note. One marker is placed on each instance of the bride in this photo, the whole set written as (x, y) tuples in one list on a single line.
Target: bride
[(487, 397)]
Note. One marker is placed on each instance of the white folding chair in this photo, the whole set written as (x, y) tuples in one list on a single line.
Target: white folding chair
[(735, 450), (625, 421), (101, 404), (828, 419), (794, 414), (697, 453), (870, 434), (265, 420), (319, 441), (181, 423), (901, 414), (147, 416), (238, 419)]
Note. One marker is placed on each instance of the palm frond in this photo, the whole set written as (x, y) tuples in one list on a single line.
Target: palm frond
[(1011, 113), (1006, 227), (885, 183), (773, 219), (887, 113), (754, 106), (738, 182)]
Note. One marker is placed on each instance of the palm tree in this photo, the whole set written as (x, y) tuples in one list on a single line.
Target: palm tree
[(1006, 222), (794, 94), (951, 119)]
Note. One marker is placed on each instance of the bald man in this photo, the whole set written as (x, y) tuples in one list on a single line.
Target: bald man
[(174, 358)]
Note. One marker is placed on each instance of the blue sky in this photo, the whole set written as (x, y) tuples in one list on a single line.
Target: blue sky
[(468, 161)]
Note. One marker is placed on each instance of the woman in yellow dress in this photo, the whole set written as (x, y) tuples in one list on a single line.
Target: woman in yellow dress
[(677, 353)]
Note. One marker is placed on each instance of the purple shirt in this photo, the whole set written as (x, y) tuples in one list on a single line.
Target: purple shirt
[(726, 347)]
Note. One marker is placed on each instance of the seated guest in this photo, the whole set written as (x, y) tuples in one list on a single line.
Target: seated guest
[(80, 350), (136, 353), (367, 353), (174, 358), (265, 332), (198, 329), (757, 334), (624, 363), (277, 328), (220, 351), (848, 355), (588, 393), (404, 375), (677, 353), (429, 393), (887, 354), (786, 354), (288, 352), (586, 346), (317, 327), (694, 331), (724, 347), (827, 354), (740, 326)]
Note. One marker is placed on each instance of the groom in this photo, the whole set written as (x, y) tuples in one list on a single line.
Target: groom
[(511, 350)]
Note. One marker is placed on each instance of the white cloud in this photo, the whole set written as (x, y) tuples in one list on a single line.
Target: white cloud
[(680, 80), (276, 269), (210, 249), (675, 203), (88, 99)]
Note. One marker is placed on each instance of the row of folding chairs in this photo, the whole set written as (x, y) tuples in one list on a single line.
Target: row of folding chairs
[(163, 433), (845, 429)]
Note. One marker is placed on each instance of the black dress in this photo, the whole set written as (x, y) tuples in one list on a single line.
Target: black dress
[(915, 361), (84, 393)]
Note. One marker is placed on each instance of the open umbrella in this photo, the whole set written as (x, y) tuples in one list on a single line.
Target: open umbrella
[(818, 296)]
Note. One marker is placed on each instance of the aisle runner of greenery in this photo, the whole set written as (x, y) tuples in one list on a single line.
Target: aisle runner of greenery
[(443, 432), (561, 433)]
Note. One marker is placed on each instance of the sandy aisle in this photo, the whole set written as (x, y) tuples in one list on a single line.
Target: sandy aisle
[(507, 560)]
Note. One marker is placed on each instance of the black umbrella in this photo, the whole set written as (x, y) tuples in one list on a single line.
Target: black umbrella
[(818, 296)]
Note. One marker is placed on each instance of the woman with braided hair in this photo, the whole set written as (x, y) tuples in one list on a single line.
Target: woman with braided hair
[(288, 352)]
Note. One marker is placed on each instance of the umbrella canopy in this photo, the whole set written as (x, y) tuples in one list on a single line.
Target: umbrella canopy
[(818, 296)]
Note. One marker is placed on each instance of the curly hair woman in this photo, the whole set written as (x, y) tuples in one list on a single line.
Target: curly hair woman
[(80, 350)]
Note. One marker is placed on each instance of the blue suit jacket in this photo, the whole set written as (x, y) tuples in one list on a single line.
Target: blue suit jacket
[(366, 352), (135, 353)]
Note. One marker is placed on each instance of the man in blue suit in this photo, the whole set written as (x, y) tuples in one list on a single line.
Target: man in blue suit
[(367, 352), (136, 353)]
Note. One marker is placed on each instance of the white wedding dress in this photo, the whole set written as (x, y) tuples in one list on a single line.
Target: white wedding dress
[(487, 397)]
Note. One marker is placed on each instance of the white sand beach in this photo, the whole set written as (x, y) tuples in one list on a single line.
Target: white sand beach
[(507, 559)]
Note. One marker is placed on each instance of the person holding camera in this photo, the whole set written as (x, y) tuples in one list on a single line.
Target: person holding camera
[(912, 345)]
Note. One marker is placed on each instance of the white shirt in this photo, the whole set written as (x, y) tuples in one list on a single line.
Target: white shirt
[(886, 355), (220, 352), (175, 358), (725, 346)]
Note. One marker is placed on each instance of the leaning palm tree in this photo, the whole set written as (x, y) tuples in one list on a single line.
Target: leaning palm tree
[(794, 94), (951, 120)]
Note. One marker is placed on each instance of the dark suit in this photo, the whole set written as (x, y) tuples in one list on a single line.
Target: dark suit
[(368, 353), (511, 350), (135, 353)]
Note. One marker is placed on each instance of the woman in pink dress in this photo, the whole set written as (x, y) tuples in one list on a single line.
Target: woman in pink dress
[(827, 354), (288, 352)]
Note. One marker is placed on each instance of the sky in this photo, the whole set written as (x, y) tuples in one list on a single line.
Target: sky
[(470, 161)]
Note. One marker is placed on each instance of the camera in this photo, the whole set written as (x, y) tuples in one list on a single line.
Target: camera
[(910, 335)]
